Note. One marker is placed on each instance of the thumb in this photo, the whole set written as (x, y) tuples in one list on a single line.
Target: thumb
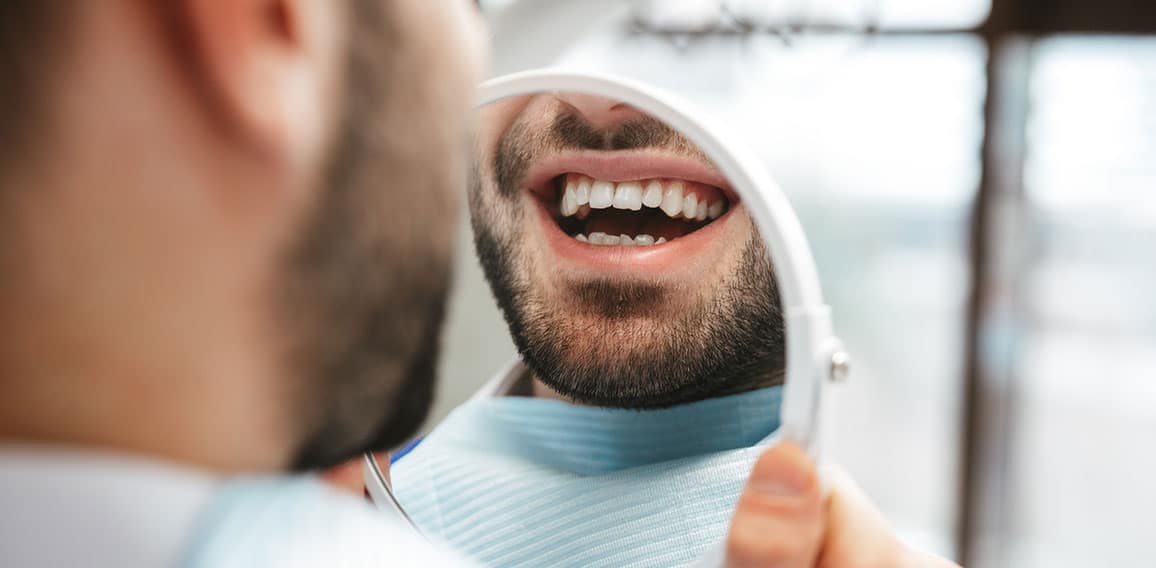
[(778, 520)]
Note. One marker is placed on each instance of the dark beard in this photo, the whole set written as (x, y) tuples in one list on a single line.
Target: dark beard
[(365, 295), (734, 346), (731, 342)]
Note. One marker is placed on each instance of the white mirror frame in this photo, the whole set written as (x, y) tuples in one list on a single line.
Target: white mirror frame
[(815, 356)]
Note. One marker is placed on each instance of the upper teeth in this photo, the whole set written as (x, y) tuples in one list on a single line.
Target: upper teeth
[(670, 196)]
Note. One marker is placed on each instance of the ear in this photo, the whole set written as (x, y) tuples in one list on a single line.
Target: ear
[(269, 68)]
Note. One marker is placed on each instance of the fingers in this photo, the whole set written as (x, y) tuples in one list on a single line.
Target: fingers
[(783, 520), (779, 517), (858, 536)]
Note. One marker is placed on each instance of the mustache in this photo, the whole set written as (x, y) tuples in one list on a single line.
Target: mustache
[(572, 132), (522, 145)]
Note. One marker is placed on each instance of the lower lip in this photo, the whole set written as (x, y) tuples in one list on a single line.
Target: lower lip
[(640, 259)]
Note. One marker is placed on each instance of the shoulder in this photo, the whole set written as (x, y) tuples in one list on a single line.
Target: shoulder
[(302, 522)]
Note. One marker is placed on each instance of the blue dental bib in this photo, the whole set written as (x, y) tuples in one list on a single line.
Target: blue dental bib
[(515, 481)]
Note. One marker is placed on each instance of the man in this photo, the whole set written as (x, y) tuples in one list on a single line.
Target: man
[(223, 242), (645, 311), (224, 235)]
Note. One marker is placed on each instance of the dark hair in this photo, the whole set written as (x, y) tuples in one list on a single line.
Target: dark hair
[(33, 35)]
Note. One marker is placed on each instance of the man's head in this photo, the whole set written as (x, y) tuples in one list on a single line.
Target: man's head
[(627, 269), (226, 224)]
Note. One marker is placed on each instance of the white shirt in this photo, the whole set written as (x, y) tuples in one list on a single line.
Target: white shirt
[(76, 508)]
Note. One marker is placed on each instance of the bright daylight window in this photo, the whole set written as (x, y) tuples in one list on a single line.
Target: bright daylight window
[(1082, 444)]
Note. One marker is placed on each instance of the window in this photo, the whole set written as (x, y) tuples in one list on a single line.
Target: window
[(1080, 483)]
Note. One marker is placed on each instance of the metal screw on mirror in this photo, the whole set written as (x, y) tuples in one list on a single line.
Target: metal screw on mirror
[(840, 367)]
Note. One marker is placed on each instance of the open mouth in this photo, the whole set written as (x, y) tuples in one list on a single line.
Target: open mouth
[(640, 212)]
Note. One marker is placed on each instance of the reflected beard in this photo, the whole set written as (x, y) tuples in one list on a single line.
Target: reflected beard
[(729, 342)]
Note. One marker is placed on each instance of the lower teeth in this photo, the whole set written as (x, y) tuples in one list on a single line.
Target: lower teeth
[(619, 240)]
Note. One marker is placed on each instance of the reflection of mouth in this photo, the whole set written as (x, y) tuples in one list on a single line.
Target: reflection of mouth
[(613, 198), (636, 212)]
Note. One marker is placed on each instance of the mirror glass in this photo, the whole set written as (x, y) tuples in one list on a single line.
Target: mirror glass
[(637, 320)]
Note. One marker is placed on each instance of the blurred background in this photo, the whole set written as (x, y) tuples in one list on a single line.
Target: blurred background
[(977, 179)]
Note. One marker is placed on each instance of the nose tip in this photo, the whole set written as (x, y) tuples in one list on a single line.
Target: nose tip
[(600, 112)]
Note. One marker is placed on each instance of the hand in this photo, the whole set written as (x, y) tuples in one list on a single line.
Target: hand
[(784, 520)]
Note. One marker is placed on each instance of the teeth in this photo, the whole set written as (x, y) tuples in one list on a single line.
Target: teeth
[(653, 196), (690, 206), (581, 194), (582, 191), (628, 196), (569, 201), (672, 200), (601, 194), (623, 240)]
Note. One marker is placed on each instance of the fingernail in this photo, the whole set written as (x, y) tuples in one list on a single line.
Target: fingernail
[(780, 476)]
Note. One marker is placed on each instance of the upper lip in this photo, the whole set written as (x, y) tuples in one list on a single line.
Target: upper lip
[(624, 165)]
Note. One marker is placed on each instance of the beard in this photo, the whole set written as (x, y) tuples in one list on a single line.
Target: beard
[(364, 288), (608, 343)]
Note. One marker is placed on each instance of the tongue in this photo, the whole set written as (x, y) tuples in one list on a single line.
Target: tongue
[(655, 224)]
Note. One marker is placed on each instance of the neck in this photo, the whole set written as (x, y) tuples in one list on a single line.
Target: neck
[(105, 349), (61, 397)]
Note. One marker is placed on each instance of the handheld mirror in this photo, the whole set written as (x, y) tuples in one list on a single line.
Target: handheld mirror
[(669, 324)]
